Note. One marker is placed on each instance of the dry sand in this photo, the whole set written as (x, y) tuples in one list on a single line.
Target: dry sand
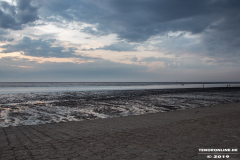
[(169, 135)]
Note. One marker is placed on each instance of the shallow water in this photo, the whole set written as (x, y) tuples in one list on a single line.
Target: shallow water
[(53, 107)]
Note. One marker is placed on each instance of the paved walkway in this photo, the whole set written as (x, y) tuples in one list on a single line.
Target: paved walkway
[(169, 135)]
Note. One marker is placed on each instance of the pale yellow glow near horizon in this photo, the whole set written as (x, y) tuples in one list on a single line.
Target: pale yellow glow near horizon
[(13, 54), (42, 59), (26, 67)]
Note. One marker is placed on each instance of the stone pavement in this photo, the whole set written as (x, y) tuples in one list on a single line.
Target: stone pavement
[(169, 135)]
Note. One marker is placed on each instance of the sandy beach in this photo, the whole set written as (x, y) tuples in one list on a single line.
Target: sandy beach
[(168, 135)]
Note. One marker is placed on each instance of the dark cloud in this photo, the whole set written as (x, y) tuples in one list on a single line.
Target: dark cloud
[(205, 29), (119, 47), (222, 40), (3, 32), (42, 48), (13, 17), (91, 31), (3, 37), (216, 21), (6, 39), (131, 20), (139, 20)]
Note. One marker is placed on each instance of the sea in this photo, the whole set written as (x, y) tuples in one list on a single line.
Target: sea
[(28, 87)]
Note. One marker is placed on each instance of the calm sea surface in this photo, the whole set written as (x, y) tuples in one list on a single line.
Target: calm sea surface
[(28, 87)]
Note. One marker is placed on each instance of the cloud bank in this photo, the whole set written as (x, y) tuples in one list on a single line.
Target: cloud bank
[(157, 35)]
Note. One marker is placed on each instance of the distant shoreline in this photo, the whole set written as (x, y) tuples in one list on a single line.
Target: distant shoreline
[(28, 87)]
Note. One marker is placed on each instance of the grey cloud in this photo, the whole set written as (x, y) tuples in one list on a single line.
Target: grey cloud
[(91, 31), (3, 32), (225, 43), (216, 22), (119, 46), (134, 59), (3, 37), (13, 17), (90, 49), (176, 37), (139, 20), (152, 59), (10, 39), (37, 48), (6, 39), (26, 12), (17, 60), (136, 21), (42, 48)]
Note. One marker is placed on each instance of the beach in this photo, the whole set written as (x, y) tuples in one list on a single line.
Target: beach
[(54, 107), (121, 124), (168, 135)]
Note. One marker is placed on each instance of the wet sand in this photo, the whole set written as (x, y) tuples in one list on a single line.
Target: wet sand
[(54, 107), (168, 135)]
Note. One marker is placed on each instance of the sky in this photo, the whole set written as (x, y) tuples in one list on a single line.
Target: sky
[(119, 40)]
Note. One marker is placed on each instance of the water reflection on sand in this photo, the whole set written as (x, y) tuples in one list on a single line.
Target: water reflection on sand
[(52, 107)]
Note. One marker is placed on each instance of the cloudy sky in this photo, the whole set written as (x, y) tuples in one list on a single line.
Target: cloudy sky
[(119, 40)]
